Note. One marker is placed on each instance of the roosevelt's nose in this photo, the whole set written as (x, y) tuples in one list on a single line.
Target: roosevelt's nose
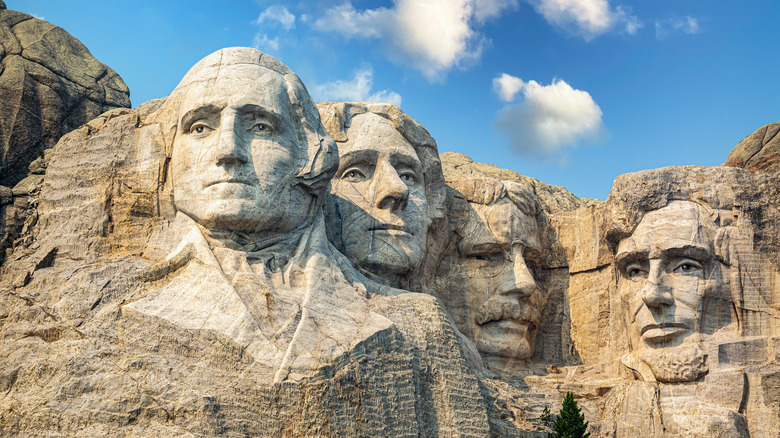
[(654, 293), (229, 148), (519, 280), (392, 193)]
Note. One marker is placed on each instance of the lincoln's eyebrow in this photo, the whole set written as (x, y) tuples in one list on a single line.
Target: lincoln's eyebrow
[(197, 113), (412, 161), (696, 252), (626, 257)]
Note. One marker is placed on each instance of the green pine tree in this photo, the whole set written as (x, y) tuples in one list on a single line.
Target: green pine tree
[(570, 423)]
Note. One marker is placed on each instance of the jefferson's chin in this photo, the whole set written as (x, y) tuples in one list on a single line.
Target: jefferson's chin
[(507, 339)]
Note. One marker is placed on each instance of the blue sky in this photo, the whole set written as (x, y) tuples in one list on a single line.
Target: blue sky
[(572, 92)]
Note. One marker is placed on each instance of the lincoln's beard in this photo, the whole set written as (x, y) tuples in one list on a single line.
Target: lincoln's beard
[(685, 363)]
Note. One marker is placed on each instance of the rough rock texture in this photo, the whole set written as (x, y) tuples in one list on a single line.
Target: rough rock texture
[(154, 289), (551, 198), (49, 85), (123, 315), (758, 151)]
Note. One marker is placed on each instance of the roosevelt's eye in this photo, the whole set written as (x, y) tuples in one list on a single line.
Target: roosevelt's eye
[(353, 175), (686, 266), (495, 256)]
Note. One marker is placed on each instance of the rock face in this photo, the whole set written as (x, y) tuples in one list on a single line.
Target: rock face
[(179, 272), (49, 85), (758, 151)]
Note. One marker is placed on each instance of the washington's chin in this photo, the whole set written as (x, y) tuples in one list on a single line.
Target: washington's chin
[(507, 339)]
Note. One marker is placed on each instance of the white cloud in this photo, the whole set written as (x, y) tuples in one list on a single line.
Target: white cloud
[(687, 24), (587, 18), (550, 118), (507, 86), (264, 43), (354, 90), (433, 36), (276, 14)]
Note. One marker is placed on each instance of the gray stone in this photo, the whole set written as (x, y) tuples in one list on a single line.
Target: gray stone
[(49, 85)]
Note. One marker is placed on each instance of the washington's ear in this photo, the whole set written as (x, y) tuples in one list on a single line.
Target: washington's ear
[(317, 173)]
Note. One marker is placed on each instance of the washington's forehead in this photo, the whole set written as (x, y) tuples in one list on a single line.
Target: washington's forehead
[(249, 84)]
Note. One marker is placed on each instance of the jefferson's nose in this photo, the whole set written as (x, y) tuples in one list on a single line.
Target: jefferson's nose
[(229, 148), (392, 193), (519, 280), (654, 293)]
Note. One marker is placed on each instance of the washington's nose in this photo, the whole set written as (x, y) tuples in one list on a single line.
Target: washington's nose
[(229, 147), (519, 280), (392, 193), (654, 293)]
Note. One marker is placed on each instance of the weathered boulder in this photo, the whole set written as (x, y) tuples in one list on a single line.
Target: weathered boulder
[(758, 151), (49, 85)]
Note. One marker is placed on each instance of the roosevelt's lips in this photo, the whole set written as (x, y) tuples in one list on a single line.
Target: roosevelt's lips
[(510, 324), (390, 227), (228, 180), (662, 326)]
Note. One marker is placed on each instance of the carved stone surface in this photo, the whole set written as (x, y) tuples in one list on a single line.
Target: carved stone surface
[(234, 260)]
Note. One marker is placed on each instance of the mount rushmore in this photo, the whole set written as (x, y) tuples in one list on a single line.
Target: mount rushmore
[(234, 259)]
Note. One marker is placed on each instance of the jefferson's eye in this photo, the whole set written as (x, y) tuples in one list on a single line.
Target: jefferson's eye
[(261, 128), (353, 175), (490, 257)]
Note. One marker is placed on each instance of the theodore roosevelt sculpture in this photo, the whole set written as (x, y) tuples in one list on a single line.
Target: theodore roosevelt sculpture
[(250, 164), (488, 279)]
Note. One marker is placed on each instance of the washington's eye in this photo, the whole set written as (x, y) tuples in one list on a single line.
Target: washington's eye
[(489, 257), (353, 175)]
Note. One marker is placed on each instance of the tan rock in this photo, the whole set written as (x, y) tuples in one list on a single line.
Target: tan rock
[(758, 151)]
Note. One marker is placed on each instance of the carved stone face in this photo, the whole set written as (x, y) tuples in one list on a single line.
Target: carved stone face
[(496, 265), (236, 153), (378, 195), (666, 268)]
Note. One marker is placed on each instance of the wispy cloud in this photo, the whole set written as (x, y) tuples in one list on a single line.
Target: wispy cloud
[(358, 88), (273, 19), (276, 16), (687, 24), (432, 36), (586, 18), (548, 118), (263, 42)]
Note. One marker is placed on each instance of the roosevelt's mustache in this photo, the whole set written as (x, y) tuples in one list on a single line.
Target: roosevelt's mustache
[(498, 308)]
